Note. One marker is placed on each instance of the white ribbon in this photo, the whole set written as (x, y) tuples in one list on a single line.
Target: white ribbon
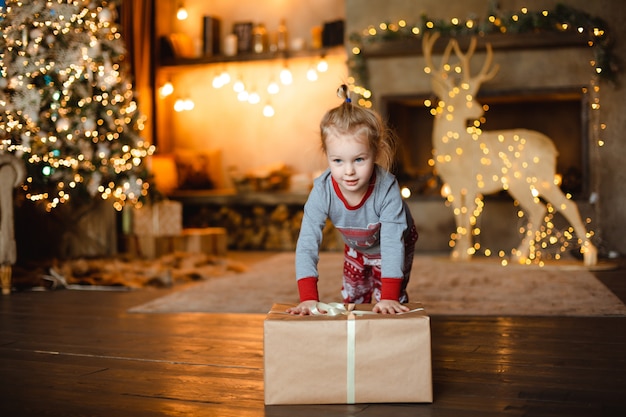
[(351, 359), (337, 309)]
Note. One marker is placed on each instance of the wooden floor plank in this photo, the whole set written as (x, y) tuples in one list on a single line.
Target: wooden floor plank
[(80, 353)]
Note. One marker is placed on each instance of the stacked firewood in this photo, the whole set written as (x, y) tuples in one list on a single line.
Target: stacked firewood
[(261, 227)]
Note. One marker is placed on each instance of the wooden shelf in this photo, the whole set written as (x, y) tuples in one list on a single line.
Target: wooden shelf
[(249, 57), (232, 197), (405, 47)]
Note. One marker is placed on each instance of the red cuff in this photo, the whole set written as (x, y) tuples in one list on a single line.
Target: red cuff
[(307, 287), (391, 289)]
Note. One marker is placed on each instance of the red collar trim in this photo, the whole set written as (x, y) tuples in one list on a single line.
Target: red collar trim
[(370, 190)]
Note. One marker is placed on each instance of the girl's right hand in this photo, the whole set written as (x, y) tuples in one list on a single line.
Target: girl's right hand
[(305, 308)]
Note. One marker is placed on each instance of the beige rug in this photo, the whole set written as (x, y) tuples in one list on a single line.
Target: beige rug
[(477, 287)]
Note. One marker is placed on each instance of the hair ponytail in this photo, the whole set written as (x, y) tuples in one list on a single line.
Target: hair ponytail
[(344, 93), (348, 118)]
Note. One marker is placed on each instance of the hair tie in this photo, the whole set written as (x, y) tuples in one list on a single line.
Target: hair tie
[(348, 100)]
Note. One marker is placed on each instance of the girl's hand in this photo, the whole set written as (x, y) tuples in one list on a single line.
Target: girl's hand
[(389, 307), (305, 308)]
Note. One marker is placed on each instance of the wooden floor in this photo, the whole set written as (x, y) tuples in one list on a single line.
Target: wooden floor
[(79, 353)]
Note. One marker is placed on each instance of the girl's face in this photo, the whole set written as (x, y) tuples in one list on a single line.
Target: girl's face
[(351, 163)]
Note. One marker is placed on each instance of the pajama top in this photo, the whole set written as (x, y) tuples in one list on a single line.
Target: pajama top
[(377, 225)]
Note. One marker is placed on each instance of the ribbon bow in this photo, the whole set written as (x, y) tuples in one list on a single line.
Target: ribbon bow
[(336, 309)]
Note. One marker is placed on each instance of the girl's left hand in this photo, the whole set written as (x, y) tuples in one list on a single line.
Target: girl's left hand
[(389, 307)]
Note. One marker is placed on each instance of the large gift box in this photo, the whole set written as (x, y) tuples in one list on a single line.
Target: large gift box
[(349, 355)]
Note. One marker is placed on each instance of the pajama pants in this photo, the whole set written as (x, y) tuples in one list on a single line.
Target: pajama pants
[(361, 274)]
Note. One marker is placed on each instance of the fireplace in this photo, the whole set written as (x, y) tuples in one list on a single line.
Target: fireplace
[(561, 114)]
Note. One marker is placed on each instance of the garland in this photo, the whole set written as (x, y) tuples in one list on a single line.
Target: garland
[(561, 19)]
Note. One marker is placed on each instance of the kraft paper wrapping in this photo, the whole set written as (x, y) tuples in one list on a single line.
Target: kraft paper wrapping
[(164, 218), (308, 359)]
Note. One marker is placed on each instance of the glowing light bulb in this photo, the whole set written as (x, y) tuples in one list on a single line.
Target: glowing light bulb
[(181, 13), (221, 80), (322, 66), (445, 190), (268, 110), (273, 88), (167, 89), (242, 96), (254, 98), (285, 76), (184, 105), (225, 77), (238, 86), (311, 74)]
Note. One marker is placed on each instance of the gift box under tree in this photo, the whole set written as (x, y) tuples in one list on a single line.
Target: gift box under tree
[(156, 228), (164, 218)]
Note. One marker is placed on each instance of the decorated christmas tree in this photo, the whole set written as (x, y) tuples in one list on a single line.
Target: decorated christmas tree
[(67, 106)]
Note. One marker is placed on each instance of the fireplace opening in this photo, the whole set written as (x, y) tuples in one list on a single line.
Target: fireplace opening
[(561, 115)]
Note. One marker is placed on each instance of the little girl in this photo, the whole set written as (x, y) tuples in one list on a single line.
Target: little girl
[(362, 199)]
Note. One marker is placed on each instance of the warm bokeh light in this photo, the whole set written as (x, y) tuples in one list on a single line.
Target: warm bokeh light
[(166, 90), (181, 13)]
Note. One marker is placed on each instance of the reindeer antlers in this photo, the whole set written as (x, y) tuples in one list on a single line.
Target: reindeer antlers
[(484, 74), (428, 41)]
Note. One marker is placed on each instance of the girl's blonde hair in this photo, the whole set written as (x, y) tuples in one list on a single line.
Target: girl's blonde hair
[(355, 120)]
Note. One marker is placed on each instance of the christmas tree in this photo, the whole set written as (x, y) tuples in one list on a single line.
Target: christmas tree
[(67, 106)]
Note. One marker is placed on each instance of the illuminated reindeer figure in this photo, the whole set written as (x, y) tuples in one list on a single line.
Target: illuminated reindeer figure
[(473, 162)]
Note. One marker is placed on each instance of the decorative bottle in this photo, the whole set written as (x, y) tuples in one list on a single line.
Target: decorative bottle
[(259, 38), (283, 36)]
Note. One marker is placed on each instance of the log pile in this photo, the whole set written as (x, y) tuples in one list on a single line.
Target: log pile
[(261, 227)]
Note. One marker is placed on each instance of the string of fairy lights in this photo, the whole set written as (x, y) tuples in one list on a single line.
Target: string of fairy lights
[(246, 84), (68, 108), (562, 19), (246, 88), (548, 241)]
